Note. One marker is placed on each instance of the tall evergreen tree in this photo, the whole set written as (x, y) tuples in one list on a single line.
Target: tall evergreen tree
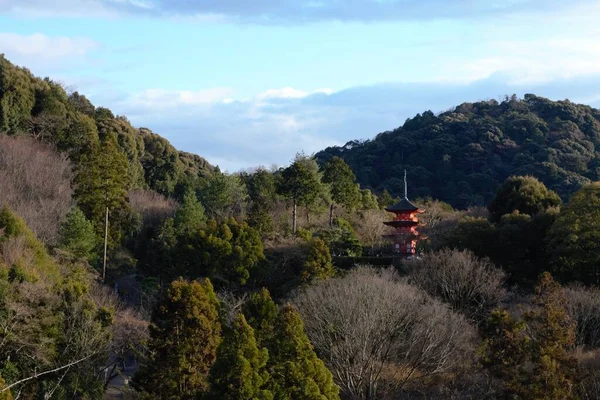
[(262, 194), (100, 183), (342, 184), (296, 371), (240, 371), (184, 336)]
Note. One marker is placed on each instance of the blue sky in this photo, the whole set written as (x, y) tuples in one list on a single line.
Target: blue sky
[(244, 83)]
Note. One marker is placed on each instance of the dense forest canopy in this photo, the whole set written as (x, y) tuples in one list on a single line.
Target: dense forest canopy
[(463, 155)]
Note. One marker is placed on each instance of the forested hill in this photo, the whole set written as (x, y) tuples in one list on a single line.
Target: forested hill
[(69, 121), (462, 156)]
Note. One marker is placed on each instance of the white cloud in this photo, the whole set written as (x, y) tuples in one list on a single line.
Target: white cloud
[(48, 51), (270, 130)]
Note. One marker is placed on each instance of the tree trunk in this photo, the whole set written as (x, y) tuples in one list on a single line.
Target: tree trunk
[(331, 215), (307, 217), (294, 217)]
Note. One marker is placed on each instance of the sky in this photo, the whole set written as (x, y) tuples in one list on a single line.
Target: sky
[(248, 83)]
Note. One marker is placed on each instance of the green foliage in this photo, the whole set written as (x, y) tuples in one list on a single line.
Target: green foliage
[(342, 183), (368, 200), (385, 200), (5, 395), (532, 357), (184, 336), (77, 235), (262, 194), (517, 243), (342, 239), (524, 194), (318, 264), (462, 156), (17, 97), (574, 239), (240, 371), (101, 182), (296, 371), (161, 163), (221, 195), (261, 312), (31, 261), (227, 252), (190, 217)]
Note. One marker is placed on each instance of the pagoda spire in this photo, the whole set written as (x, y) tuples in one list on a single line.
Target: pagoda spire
[(405, 186)]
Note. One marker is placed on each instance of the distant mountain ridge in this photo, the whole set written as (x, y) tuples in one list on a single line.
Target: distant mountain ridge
[(462, 156)]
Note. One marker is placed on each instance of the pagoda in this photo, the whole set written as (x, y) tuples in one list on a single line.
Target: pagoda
[(405, 222)]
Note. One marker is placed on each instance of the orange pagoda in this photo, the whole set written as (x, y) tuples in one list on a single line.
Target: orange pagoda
[(405, 222)]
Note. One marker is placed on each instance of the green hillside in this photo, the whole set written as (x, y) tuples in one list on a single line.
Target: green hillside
[(43, 109), (463, 155)]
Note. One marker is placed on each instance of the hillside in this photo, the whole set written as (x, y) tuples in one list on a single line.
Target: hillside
[(463, 155), (70, 122)]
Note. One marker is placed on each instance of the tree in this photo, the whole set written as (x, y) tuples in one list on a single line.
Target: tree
[(342, 184), (318, 265), (184, 336), (385, 200), (222, 195), (532, 357), (261, 312), (240, 372), (375, 332), (77, 235), (101, 183), (190, 217), (296, 371), (470, 285), (301, 183), (524, 194), (227, 252), (262, 193), (574, 238)]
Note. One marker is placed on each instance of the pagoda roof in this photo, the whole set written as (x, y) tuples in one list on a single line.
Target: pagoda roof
[(402, 205)]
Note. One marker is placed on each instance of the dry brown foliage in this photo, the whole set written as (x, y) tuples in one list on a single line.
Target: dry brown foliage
[(470, 285), (583, 305), (152, 206), (35, 181), (364, 323)]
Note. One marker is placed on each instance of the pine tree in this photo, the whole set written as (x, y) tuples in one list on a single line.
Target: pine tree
[(77, 235), (296, 371), (184, 336), (240, 370), (190, 217), (318, 265)]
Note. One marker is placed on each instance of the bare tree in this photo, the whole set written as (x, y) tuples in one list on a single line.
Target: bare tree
[(152, 206), (370, 228), (470, 285), (583, 305), (35, 182), (377, 333)]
